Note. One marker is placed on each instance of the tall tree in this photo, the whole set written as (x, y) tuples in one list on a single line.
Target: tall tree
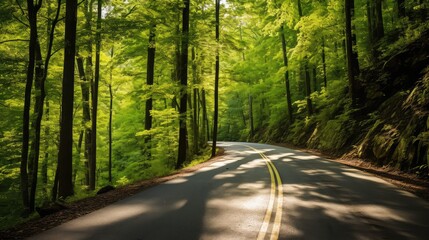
[(325, 81), (40, 79), (216, 89), (286, 75), (32, 10), (375, 25), (151, 50), (351, 55), (400, 8), (93, 159), (183, 138), (65, 155), (110, 115), (307, 84), (195, 115)]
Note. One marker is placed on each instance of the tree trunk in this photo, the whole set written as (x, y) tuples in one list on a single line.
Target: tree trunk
[(195, 125), (205, 128), (375, 25), (86, 116), (183, 139), (216, 89), (351, 56), (308, 89), (65, 155), (325, 82), (32, 18), (40, 79), (36, 125), (150, 73), (315, 84), (110, 130), (400, 8), (287, 82), (45, 162), (252, 129), (299, 9), (93, 159), (86, 75)]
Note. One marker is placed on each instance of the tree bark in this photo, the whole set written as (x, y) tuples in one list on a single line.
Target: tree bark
[(65, 155), (183, 138)]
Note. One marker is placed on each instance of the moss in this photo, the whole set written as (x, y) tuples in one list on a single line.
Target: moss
[(384, 142), (301, 131), (364, 148), (336, 134)]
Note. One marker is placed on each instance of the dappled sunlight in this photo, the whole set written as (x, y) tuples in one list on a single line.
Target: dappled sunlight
[(177, 181), (280, 155), (317, 171), (223, 176), (252, 186), (363, 176), (287, 160), (252, 164), (308, 157), (113, 214), (219, 164)]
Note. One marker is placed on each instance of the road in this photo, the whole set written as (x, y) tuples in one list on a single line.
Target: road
[(259, 191)]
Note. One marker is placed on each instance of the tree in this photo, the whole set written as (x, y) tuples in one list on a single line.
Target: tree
[(352, 65), (183, 138), (307, 84), (65, 154), (151, 50), (32, 18), (375, 25), (216, 89), (93, 159), (286, 75), (40, 79)]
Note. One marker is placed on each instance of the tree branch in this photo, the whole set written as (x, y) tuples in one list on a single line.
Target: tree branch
[(19, 20), (14, 40)]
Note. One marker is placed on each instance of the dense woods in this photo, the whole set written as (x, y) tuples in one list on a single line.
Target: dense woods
[(97, 93)]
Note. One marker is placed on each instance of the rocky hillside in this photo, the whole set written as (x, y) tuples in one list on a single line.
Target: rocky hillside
[(391, 128)]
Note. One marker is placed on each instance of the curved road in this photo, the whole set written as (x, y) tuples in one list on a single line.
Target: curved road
[(259, 191)]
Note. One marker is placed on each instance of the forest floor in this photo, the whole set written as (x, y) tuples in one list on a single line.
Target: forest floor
[(408, 182)]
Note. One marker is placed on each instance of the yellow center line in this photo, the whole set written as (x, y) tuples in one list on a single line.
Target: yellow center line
[(275, 177), (264, 228)]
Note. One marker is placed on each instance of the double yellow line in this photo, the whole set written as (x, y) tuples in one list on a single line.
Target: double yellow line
[(276, 198)]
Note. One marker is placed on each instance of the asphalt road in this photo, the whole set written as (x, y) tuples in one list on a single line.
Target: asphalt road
[(259, 191)]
